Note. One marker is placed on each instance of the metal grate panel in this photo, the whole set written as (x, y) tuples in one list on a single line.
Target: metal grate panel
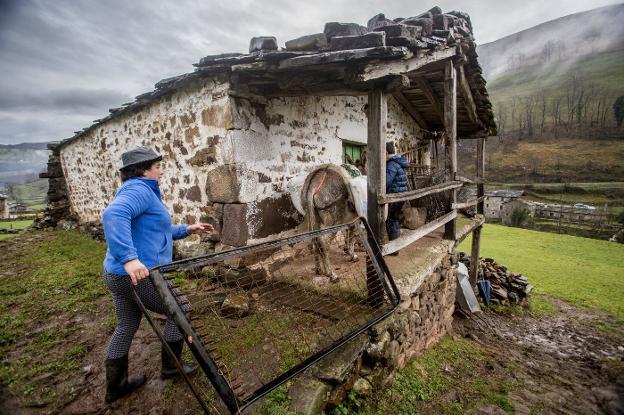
[(256, 316)]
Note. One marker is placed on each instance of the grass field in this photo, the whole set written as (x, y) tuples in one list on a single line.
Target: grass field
[(582, 271)]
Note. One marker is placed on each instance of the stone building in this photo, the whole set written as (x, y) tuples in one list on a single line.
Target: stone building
[(4, 207), (495, 199), (238, 128)]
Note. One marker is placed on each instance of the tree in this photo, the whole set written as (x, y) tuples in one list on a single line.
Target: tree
[(618, 110), (519, 217)]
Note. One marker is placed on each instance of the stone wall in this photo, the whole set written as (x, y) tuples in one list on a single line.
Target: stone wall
[(373, 359), (227, 160)]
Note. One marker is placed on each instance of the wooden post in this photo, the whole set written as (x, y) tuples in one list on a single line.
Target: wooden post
[(480, 173), (376, 162), (376, 185), (476, 234), (474, 256), (450, 127)]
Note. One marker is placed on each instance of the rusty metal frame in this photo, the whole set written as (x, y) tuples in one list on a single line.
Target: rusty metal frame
[(193, 339)]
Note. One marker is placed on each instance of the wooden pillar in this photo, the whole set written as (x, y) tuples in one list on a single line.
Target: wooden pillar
[(376, 162), (450, 127), (474, 256), (476, 234), (480, 173)]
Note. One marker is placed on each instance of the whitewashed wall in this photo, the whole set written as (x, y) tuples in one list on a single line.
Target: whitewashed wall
[(178, 127)]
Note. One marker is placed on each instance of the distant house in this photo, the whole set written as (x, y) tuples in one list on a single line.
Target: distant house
[(508, 208), (4, 207), (17, 208), (494, 200)]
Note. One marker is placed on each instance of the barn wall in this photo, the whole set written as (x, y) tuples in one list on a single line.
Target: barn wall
[(188, 128), (287, 137), (227, 160)]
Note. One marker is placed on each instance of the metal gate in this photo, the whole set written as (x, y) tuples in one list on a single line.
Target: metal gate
[(256, 316)]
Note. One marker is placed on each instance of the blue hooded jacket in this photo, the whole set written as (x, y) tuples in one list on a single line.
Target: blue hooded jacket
[(396, 177), (138, 225)]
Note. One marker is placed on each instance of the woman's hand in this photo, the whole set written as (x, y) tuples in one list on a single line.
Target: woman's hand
[(200, 228), (136, 270)]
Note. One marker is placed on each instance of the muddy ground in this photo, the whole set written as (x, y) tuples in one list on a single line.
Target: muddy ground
[(563, 362)]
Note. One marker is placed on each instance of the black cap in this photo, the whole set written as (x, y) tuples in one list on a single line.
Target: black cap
[(139, 155)]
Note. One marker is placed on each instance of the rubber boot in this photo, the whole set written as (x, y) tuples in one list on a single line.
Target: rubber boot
[(117, 382), (169, 369)]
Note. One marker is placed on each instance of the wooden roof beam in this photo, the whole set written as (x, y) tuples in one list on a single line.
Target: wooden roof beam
[(431, 96), (422, 58), (471, 108), (398, 95)]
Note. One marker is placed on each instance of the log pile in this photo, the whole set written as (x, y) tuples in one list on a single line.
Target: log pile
[(507, 287)]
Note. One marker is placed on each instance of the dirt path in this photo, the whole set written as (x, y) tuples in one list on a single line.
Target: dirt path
[(563, 363)]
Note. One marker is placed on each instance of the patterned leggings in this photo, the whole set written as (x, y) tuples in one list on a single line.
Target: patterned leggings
[(129, 314)]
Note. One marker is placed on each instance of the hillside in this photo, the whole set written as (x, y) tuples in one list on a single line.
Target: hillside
[(553, 87), (564, 39), (22, 163)]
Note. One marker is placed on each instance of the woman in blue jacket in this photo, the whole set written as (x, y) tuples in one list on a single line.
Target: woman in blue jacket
[(139, 235)]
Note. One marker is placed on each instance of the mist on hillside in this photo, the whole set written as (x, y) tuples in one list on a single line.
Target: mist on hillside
[(560, 41)]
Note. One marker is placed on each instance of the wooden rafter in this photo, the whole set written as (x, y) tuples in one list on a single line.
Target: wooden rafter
[(471, 108), (431, 96), (402, 99), (381, 68)]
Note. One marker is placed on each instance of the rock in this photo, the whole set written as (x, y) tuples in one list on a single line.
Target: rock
[(401, 30), (368, 40), (375, 350), (317, 41), (392, 354), (338, 365), (343, 29), (235, 305), (499, 292), (425, 24), (235, 230), (87, 370), (245, 278), (435, 10), (262, 43), (378, 21), (413, 217), (230, 183), (308, 396), (416, 302), (513, 297), (362, 387)]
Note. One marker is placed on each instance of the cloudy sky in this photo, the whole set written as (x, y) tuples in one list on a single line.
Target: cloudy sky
[(63, 63)]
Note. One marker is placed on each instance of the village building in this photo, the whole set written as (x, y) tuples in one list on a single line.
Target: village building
[(4, 207), (240, 128), (495, 199)]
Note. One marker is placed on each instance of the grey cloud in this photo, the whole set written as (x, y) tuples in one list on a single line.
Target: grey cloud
[(77, 100), (67, 56)]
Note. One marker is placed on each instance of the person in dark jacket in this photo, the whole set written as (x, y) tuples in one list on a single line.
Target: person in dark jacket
[(139, 235), (396, 182)]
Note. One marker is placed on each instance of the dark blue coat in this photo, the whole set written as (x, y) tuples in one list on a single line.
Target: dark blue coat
[(396, 177)]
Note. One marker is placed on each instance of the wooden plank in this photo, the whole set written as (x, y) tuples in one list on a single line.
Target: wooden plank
[(474, 256), (425, 88), (375, 70), (480, 174), (464, 232), (409, 237), (450, 127), (376, 161), (468, 203), (471, 108), (398, 95), (416, 194)]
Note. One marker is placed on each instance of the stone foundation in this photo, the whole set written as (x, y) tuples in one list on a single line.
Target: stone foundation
[(372, 359)]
